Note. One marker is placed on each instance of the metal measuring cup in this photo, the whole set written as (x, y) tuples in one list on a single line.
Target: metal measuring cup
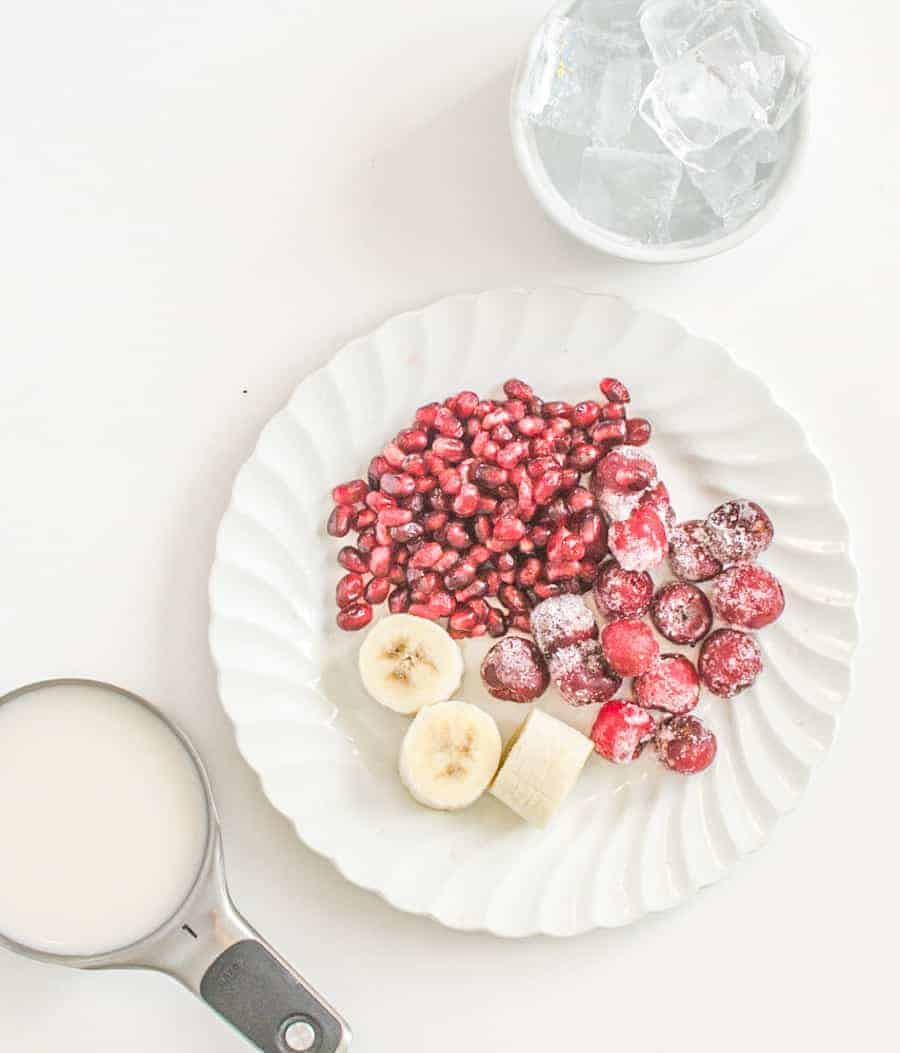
[(209, 947)]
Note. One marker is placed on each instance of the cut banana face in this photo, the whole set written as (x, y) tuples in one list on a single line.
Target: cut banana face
[(407, 663), (542, 762), (450, 754)]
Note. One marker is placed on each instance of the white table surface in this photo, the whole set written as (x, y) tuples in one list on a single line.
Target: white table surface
[(201, 200)]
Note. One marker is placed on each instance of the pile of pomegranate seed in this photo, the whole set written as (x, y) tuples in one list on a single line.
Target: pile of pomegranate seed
[(499, 514), (481, 509)]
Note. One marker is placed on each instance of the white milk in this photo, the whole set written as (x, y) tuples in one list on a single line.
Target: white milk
[(103, 820)]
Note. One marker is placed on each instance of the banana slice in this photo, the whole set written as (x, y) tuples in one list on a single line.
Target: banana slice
[(407, 663), (541, 764), (450, 754)]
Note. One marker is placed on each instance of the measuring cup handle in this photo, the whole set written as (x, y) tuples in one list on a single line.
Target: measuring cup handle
[(269, 1003)]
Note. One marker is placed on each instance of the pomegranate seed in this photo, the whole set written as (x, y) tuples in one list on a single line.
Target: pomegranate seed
[(609, 433), (547, 485), (349, 589), (479, 442), (426, 484), (494, 418), (394, 517), (511, 454), (377, 467), (434, 521), (580, 499), (508, 528), (380, 561), (398, 601), (583, 457), (433, 463), (613, 411), (450, 481), (490, 477), (406, 532), (439, 501), (460, 576), (397, 575), (412, 440), (557, 409), (427, 555), (530, 426), (415, 503), (591, 528), (424, 610), (516, 409), (478, 554), (568, 480), (352, 559), (544, 590), (398, 485), (356, 616), (378, 501), (383, 534), (484, 407), (393, 455), (518, 389), (512, 598), (496, 622), (614, 390), (448, 560), (475, 591), (482, 528), (466, 401), (588, 572), (539, 535), (529, 572), (637, 432), (585, 413), (451, 450), (458, 536), (414, 464), (465, 504), (443, 603), (473, 427), (351, 493), (501, 435), (463, 620), (487, 505), (440, 536), (562, 570), (366, 541), (521, 621), (425, 414), (492, 579), (540, 446), (506, 562), (362, 518), (447, 424), (339, 521), (377, 591), (491, 450), (564, 545), (450, 403)]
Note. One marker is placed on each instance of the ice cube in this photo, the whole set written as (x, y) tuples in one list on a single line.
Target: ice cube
[(628, 192), (776, 40), (767, 146), (665, 23), (561, 154), (623, 14), (700, 105), (691, 215), (623, 83), (724, 189)]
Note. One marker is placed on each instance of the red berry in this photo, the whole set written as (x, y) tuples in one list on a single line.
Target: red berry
[(582, 675), (638, 542), (689, 557), (729, 662), (671, 684), (621, 731), (614, 390), (561, 621), (622, 593), (748, 596), (514, 670), (351, 493), (657, 498), (738, 531), (352, 559), (685, 745), (630, 646), (681, 612), (356, 616), (339, 521)]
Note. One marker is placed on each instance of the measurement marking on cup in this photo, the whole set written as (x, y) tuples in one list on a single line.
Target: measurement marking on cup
[(187, 928)]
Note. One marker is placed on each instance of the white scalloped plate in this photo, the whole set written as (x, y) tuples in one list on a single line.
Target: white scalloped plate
[(630, 839)]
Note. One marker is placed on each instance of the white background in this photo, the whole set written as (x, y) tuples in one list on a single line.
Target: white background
[(200, 201)]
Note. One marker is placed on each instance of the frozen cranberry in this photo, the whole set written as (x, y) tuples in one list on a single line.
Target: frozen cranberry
[(614, 390), (621, 593), (630, 646), (685, 745), (624, 470), (670, 684), (689, 557), (738, 531), (638, 542), (730, 661), (657, 498), (681, 612), (621, 731), (582, 675), (561, 621), (514, 670), (748, 596), (356, 616)]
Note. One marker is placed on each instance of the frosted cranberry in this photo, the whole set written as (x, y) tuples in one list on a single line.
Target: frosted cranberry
[(738, 531), (591, 528), (377, 591), (637, 431), (585, 413), (624, 470), (685, 745), (689, 557), (657, 498), (729, 662), (351, 493), (671, 684), (748, 596), (356, 616), (338, 524), (349, 589), (352, 559), (514, 670), (638, 542), (582, 675), (561, 621), (630, 646), (398, 601), (362, 518), (609, 433), (621, 593), (621, 731), (681, 612)]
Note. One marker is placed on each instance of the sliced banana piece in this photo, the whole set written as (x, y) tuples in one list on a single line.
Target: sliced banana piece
[(450, 754), (407, 663), (541, 764)]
